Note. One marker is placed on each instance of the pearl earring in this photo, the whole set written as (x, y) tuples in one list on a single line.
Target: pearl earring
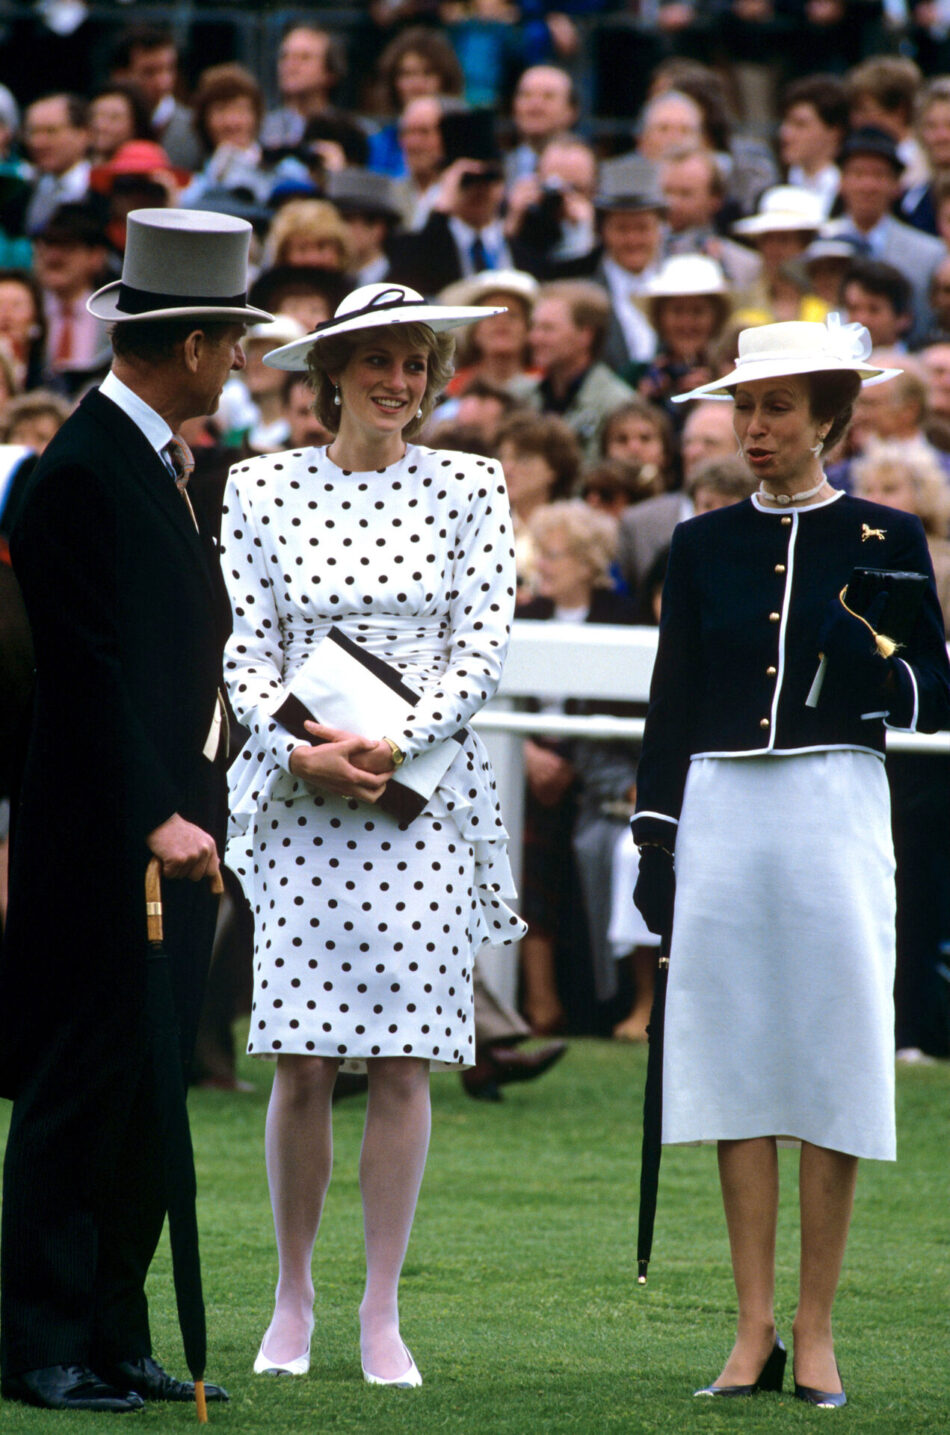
[(418, 413), (336, 397), (816, 448)]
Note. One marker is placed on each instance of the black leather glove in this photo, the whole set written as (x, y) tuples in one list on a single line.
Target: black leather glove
[(857, 671), (656, 887)]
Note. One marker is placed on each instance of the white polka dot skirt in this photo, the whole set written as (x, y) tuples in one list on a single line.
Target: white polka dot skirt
[(363, 935)]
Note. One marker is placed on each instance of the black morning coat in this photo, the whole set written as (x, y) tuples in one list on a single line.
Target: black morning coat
[(745, 596), (129, 617)]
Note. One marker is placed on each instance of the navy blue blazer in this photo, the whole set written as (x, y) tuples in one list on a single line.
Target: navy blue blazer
[(746, 592)]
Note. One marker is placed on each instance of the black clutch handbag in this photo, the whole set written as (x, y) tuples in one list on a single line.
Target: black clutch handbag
[(904, 594), (345, 686)]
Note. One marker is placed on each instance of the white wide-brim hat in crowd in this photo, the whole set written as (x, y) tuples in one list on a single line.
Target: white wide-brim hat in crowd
[(784, 207), (180, 264), (377, 306), (779, 351), (685, 276), (477, 287)]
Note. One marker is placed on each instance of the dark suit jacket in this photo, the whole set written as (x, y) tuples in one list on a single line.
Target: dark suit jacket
[(746, 594), (428, 259), (129, 615)]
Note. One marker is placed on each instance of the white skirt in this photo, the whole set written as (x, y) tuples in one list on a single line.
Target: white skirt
[(780, 1011)]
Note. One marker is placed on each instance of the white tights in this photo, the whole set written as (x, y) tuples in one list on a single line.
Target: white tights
[(299, 1151)]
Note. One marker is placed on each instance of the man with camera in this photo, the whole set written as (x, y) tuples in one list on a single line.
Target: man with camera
[(552, 212)]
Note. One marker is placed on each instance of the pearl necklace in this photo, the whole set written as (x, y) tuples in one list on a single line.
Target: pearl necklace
[(787, 498)]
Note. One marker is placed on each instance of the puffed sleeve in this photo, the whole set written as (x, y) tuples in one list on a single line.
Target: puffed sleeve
[(668, 738), (481, 608), (253, 657)]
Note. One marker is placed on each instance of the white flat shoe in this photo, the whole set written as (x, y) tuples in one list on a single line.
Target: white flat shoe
[(409, 1380), (263, 1365)]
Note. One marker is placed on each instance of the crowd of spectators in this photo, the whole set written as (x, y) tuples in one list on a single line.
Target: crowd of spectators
[(629, 228)]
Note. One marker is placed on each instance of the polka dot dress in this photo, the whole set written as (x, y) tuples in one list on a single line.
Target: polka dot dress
[(365, 934)]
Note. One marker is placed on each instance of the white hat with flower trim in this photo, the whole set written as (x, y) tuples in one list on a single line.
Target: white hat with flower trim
[(377, 306), (778, 351)]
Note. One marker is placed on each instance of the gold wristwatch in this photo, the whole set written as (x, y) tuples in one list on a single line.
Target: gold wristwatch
[(399, 756)]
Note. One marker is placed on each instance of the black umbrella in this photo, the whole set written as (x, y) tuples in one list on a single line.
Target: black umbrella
[(651, 1147), (177, 1153)]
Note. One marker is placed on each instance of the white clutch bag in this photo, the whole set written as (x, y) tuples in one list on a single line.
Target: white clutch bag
[(344, 686)]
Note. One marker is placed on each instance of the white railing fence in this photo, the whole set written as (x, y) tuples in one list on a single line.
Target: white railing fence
[(553, 661)]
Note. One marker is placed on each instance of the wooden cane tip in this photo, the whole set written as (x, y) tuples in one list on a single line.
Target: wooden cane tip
[(200, 1402)]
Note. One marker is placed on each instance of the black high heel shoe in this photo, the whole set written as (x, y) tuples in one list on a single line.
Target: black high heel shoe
[(770, 1376), (824, 1399)]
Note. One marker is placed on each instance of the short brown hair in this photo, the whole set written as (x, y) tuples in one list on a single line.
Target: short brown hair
[(549, 437), (430, 46), (891, 80), (588, 304), (220, 84), (336, 351)]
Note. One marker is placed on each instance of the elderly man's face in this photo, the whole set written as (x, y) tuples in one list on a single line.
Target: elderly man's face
[(420, 135), (54, 143), (670, 123), (542, 103), (632, 240), (302, 63), (707, 434), (687, 189), (555, 339)]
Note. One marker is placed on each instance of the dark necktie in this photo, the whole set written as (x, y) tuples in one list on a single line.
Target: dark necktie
[(479, 255), (182, 462)]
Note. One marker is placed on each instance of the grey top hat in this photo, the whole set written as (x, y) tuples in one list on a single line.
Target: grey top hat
[(360, 191), (630, 182), (180, 263)]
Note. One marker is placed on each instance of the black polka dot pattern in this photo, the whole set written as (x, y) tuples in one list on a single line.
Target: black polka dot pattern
[(365, 934)]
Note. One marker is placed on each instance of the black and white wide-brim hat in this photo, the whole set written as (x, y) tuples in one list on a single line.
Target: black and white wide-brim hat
[(181, 264), (377, 306)]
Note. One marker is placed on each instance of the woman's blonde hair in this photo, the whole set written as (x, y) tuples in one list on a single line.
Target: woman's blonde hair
[(311, 219), (590, 534), (335, 352), (916, 461)]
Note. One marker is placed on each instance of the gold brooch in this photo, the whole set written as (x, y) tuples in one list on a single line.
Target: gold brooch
[(868, 532)]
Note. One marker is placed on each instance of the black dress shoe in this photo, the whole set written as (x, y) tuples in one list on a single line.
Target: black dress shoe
[(147, 1378), (69, 1387), (770, 1376), (824, 1399), (497, 1066), (509, 1064)]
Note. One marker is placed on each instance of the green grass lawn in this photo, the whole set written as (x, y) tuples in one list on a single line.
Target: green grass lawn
[(519, 1297)]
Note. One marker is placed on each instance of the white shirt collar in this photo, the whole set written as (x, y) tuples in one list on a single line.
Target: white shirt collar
[(152, 425), (163, 111), (493, 238)]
